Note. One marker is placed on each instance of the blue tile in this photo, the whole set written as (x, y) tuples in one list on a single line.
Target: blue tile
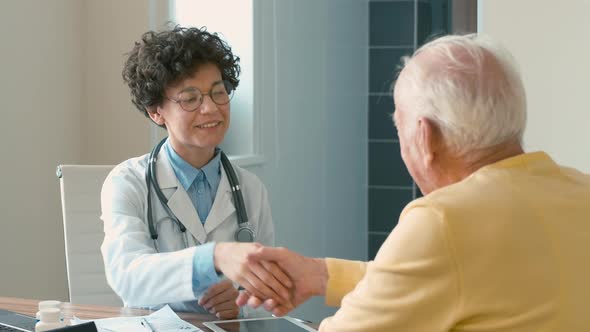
[(434, 17), (384, 67), (418, 192), (380, 117), (385, 207), (375, 242), (386, 167), (391, 23)]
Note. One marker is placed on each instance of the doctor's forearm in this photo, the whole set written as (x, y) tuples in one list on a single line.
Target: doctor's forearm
[(130, 275)]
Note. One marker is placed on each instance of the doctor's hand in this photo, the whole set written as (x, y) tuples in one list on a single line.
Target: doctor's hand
[(262, 279), (309, 275), (220, 300)]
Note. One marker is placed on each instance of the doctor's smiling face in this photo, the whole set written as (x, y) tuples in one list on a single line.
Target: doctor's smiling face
[(182, 79), (195, 132)]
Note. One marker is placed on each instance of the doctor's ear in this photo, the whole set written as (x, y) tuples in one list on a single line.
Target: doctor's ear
[(155, 115)]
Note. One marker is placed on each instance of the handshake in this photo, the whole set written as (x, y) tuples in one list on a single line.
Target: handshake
[(276, 278)]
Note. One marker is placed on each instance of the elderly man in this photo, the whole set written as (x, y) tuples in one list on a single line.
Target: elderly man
[(501, 239)]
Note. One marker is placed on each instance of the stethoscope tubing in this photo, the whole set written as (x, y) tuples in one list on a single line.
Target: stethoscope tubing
[(152, 182)]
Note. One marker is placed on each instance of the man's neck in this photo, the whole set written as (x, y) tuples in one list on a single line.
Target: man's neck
[(459, 168)]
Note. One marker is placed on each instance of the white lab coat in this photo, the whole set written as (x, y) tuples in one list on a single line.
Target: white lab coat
[(143, 277)]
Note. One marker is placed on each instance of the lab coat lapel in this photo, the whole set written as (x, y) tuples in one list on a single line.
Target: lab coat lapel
[(165, 172), (179, 202), (223, 205)]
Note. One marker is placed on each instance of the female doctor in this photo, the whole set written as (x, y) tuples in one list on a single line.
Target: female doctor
[(167, 213)]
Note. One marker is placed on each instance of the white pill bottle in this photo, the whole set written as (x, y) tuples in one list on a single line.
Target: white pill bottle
[(50, 319), (48, 304)]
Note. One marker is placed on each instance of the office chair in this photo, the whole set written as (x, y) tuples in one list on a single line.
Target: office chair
[(83, 232)]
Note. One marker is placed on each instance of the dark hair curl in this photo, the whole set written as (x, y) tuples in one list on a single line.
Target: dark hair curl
[(162, 58)]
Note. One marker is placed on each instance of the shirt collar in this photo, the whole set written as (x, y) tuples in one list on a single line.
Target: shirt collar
[(212, 169), (187, 174)]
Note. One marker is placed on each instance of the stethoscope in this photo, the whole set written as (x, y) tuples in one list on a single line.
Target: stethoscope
[(244, 232)]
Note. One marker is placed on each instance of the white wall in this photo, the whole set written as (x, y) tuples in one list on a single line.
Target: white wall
[(64, 102), (114, 129), (550, 41), (314, 60), (40, 84)]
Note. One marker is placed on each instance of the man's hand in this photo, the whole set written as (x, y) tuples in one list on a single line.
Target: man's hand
[(220, 300), (309, 275), (262, 279)]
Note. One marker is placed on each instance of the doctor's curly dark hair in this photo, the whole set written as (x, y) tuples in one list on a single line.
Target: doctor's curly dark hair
[(163, 58)]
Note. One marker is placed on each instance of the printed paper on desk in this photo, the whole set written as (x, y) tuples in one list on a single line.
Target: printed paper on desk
[(163, 320)]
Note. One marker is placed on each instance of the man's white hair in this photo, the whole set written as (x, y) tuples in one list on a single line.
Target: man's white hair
[(471, 89)]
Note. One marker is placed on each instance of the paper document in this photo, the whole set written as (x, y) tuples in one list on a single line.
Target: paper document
[(163, 320)]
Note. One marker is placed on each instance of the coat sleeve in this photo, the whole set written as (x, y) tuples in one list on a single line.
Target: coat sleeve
[(136, 272), (412, 285)]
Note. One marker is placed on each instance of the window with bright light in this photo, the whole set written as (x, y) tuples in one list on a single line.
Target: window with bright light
[(232, 20)]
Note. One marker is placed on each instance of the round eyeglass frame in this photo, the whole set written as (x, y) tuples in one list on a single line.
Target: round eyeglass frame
[(228, 87)]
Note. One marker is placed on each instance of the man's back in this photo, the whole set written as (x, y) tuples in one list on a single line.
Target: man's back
[(506, 249), (520, 230)]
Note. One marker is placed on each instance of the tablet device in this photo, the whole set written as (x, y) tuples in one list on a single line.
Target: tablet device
[(266, 324)]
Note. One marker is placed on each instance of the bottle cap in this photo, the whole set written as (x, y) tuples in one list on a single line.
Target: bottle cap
[(49, 304), (50, 315)]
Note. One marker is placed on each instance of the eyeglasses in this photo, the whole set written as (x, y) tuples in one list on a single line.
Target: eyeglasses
[(190, 99)]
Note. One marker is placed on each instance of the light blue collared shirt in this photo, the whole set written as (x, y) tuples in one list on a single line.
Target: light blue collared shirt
[(201, 186)]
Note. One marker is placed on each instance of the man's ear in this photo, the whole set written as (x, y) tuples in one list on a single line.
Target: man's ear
[(428, 140), (155, 114)]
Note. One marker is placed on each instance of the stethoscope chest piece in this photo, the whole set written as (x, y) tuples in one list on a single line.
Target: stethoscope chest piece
[(244, 233)]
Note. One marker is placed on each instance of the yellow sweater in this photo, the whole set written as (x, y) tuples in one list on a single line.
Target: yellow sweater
[(507, 249)]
